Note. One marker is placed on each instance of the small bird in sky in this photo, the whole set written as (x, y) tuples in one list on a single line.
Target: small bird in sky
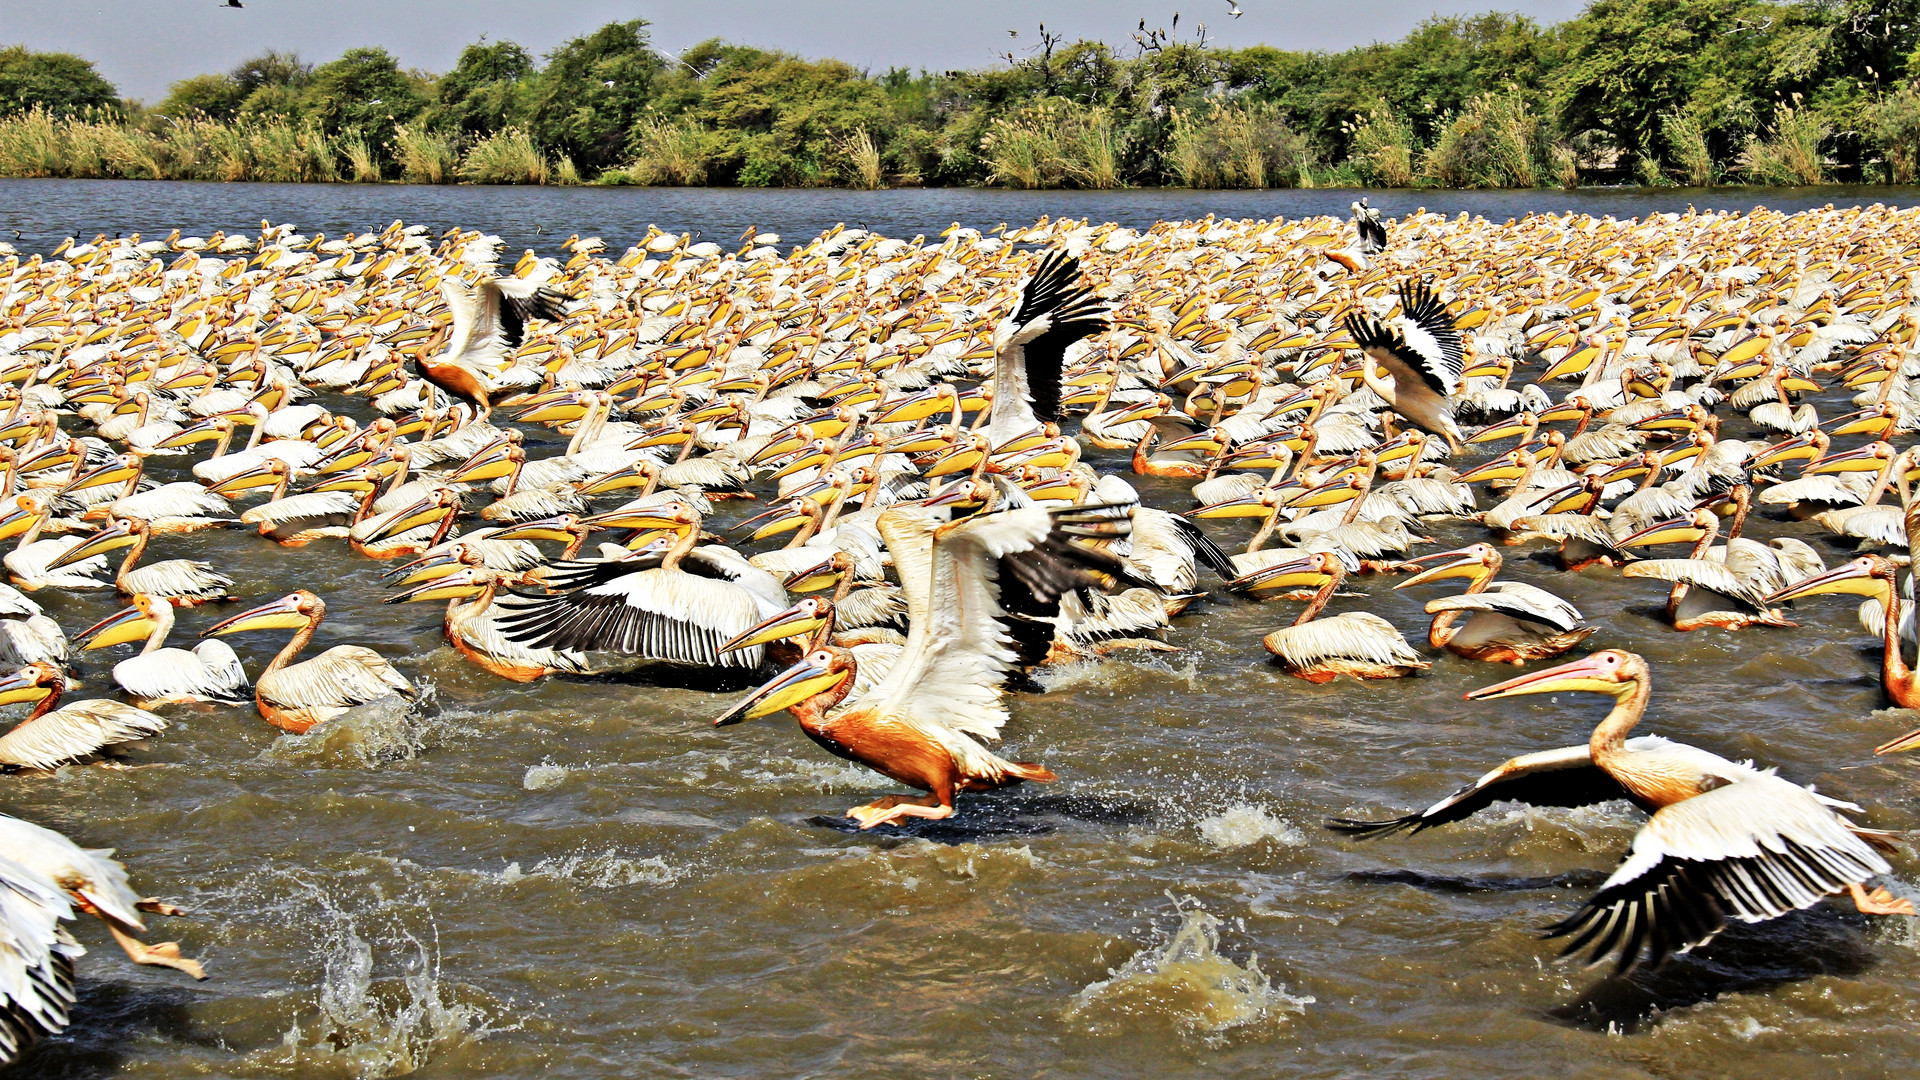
[(1233, 8), (1013, 33), (235, 4)]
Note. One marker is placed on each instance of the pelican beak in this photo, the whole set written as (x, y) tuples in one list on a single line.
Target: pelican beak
[(1797, 447), (617, 480), (1464, 565), (427, 511), (1874, 421), (1571, 498), (931, 441), (801, 618), (1671, 420), (1626, 470), (552, 528), (490, 467), (786, 521), (113, 536), (264, 476), (1019, 443), (1293, 573), (1581, 676), (1336, 493), (281, 614), (1853, 578), (672, 436), (959, 493), (20, 687), (105, 476), (1672, 531), (18, 520), (959, 460), (561, 411), (432, 568), (1500, 468), (204, 431), (645, 517), (824, 575), (122, 627), (804, 461), (357, 480), (804, 680), (1868, 458), (454, 586), (1562, 411), (1255, 503), (1516, 425)]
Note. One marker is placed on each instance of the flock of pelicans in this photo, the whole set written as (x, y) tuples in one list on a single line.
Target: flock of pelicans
[(905, 409)]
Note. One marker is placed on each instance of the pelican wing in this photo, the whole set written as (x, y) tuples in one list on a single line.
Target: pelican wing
[(1350, 635), (176, 500), (658, 614), (1751, 850), (1515, 598), (516, 301), (37, 637), (1425, 348), (178, 577), (301, 507), (1563, 777), (1701, 574), (341, 677), (36, 958), (76, 731), (89, 873), (1055, 311), (211, 670)]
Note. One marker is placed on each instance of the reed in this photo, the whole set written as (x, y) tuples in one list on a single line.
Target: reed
[(670, 154), (1687, 143), (426, 156), (1238, 145), (862, 160), (506, 157), (1497, 141), (1054, 144), (1790, 156), (1381, 149), (363, 166)]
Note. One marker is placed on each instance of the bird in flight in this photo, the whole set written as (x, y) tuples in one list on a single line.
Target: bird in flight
[(1233, 8), (235, 4)]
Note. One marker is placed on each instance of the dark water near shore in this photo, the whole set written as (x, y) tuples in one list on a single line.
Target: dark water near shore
[(583, 878)]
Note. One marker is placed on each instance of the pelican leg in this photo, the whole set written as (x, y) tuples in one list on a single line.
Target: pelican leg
[(164, 954), (893, 808), (1879, 902)]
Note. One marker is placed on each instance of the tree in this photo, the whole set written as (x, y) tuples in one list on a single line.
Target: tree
[(58, 82), (364, 92), (593, 91), (486, 90)]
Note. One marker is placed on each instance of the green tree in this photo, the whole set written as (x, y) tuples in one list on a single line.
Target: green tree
[(486, 91), (592, 92), (59, 82), (364, 92)]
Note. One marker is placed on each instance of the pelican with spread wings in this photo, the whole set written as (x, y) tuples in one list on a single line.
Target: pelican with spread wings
[(920, 724), (1726, 841), (1055, 311), (489, 322), (1422, 351)]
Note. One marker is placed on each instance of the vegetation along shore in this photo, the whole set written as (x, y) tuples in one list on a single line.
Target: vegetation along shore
[(1655, 92)]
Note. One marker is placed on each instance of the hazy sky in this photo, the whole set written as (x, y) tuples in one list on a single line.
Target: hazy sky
[(144, 45)]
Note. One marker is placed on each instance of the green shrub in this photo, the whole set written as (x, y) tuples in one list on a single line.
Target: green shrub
[(505, 157), (1687, 142), (1238, 146), (1497, 141), (1381, 149), (1790, 157), (426, 157)]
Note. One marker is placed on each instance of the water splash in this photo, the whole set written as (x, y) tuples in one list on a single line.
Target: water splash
[(544, 775), (607, 870), (387, 730), (1185, 985), (1244, 824)]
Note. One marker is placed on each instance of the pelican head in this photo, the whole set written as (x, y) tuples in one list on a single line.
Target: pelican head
[(19, 517), (1688, 529), (802, 618), (129, 624), (1613, 672), (824, 671), (35, 682), (267, 474), (122, 532), (467, 581), (1260, 502), (297, 610), (1868, 575), (1311, 571), (823, 575), (1473, 562)]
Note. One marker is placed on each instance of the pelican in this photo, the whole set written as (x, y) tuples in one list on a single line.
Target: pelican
[(1423, 356), (32, 563), (680, 609), (1872, 576), (177, 507), (295, 697), (185, 582), (1510, 622), (1054, 312), (1725, 587), (163, 676), (97, 884), (49, 738), (489, 321), (1725, 840), (36, 981), (471, 629), (26, 633), (919, 725), (1355, 643)]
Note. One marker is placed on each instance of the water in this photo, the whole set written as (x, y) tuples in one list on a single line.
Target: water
[(583, 878)]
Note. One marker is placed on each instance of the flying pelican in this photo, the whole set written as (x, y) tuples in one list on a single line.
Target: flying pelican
[(919, 725), (1355, 643), (1510, 622), (298, 696), (163, 676), (1422, 354), (489, 321), (36, 982), (1725, 840), (49, 738), (97, 884), (1054, 312), (185, 582), (680, 609)]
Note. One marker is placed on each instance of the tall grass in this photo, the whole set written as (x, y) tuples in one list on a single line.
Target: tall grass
[(1791, 155), (1497, 141), (1238, 145), (1687, 142), (862, 160), (425, 156), (362, 166), (671, 154), (506, 157), (1381, 149), (1054, 144)]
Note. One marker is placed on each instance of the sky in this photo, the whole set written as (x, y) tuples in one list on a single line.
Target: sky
[(143, 46)]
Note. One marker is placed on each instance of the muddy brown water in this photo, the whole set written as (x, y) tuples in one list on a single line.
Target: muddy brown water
[(583, 878)]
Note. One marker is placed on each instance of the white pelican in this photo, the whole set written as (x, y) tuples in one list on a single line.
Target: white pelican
[(49, 738), (36, 978), (471, 629), (1055, 311), (919, 725), (183, 581), (1356, 643), (489, 321), (298, 696), (1510, 622), (1423, 355), (30, 563), (163, 676), (97, 884), (1726, 840), (26, 633)]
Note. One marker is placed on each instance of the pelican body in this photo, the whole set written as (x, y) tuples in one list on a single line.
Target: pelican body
[(295, 697)]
